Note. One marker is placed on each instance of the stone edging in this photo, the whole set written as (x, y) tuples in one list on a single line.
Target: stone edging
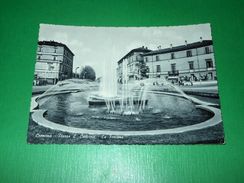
[(38, 117)]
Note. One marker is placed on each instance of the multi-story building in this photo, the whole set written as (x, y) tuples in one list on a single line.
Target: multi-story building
[(194, 61), (54, 62), (130, 63)]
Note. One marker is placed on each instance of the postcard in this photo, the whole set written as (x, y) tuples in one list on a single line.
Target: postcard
[(125, 85)]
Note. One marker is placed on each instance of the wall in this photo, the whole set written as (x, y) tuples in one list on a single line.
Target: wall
[(58, 57), (181, 62), (48, 58)]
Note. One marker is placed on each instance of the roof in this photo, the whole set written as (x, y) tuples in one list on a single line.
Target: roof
[(181, 47), (140, 49), (54, 43)]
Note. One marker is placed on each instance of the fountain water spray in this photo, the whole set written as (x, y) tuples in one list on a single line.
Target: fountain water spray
[(119, 98)]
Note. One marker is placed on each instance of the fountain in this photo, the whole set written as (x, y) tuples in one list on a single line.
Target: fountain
[(131, 108), (122, 99)]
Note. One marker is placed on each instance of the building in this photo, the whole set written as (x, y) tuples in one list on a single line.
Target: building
[(188, 62), (54, 62), (130, 63)]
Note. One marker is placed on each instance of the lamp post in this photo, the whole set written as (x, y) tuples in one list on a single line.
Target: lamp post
[(76, 71), (200, 79)]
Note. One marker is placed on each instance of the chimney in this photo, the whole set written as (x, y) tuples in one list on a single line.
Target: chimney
[(200, 39), (171, 46), (186, 42)]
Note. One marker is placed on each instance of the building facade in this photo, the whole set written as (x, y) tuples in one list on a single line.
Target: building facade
[(188, 62), (130, 64), (54, 62)]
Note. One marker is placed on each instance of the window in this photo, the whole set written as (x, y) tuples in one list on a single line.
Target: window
[(172, 55), (146, 59), (173, 67), (209, 63), (39, 48), (158, 69), (54, 58), (157, 58), (55, 49), (50, 67), (189, 53), (191, 65), (38, 57), (207, 50)]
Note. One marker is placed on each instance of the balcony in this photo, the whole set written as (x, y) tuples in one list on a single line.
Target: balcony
[(173, 73)]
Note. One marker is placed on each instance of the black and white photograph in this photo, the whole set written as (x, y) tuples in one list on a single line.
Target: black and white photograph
[(125, 85)]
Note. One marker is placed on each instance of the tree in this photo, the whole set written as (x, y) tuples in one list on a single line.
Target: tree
[(88, 73), (143, 69)]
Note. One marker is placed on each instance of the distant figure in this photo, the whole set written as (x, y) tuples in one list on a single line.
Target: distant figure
[(191, 82)]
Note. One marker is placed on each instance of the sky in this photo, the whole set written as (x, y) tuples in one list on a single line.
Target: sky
[(99, 47)]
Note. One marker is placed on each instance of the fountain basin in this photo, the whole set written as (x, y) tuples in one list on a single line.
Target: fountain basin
[(163, 110)]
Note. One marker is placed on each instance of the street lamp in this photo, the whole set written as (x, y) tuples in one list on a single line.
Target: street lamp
[(76, 71)]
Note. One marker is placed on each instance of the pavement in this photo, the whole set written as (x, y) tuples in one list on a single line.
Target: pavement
[(40, 89), (208, 91)]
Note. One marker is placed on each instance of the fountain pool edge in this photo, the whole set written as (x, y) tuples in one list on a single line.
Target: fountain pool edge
[(38, 117)]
